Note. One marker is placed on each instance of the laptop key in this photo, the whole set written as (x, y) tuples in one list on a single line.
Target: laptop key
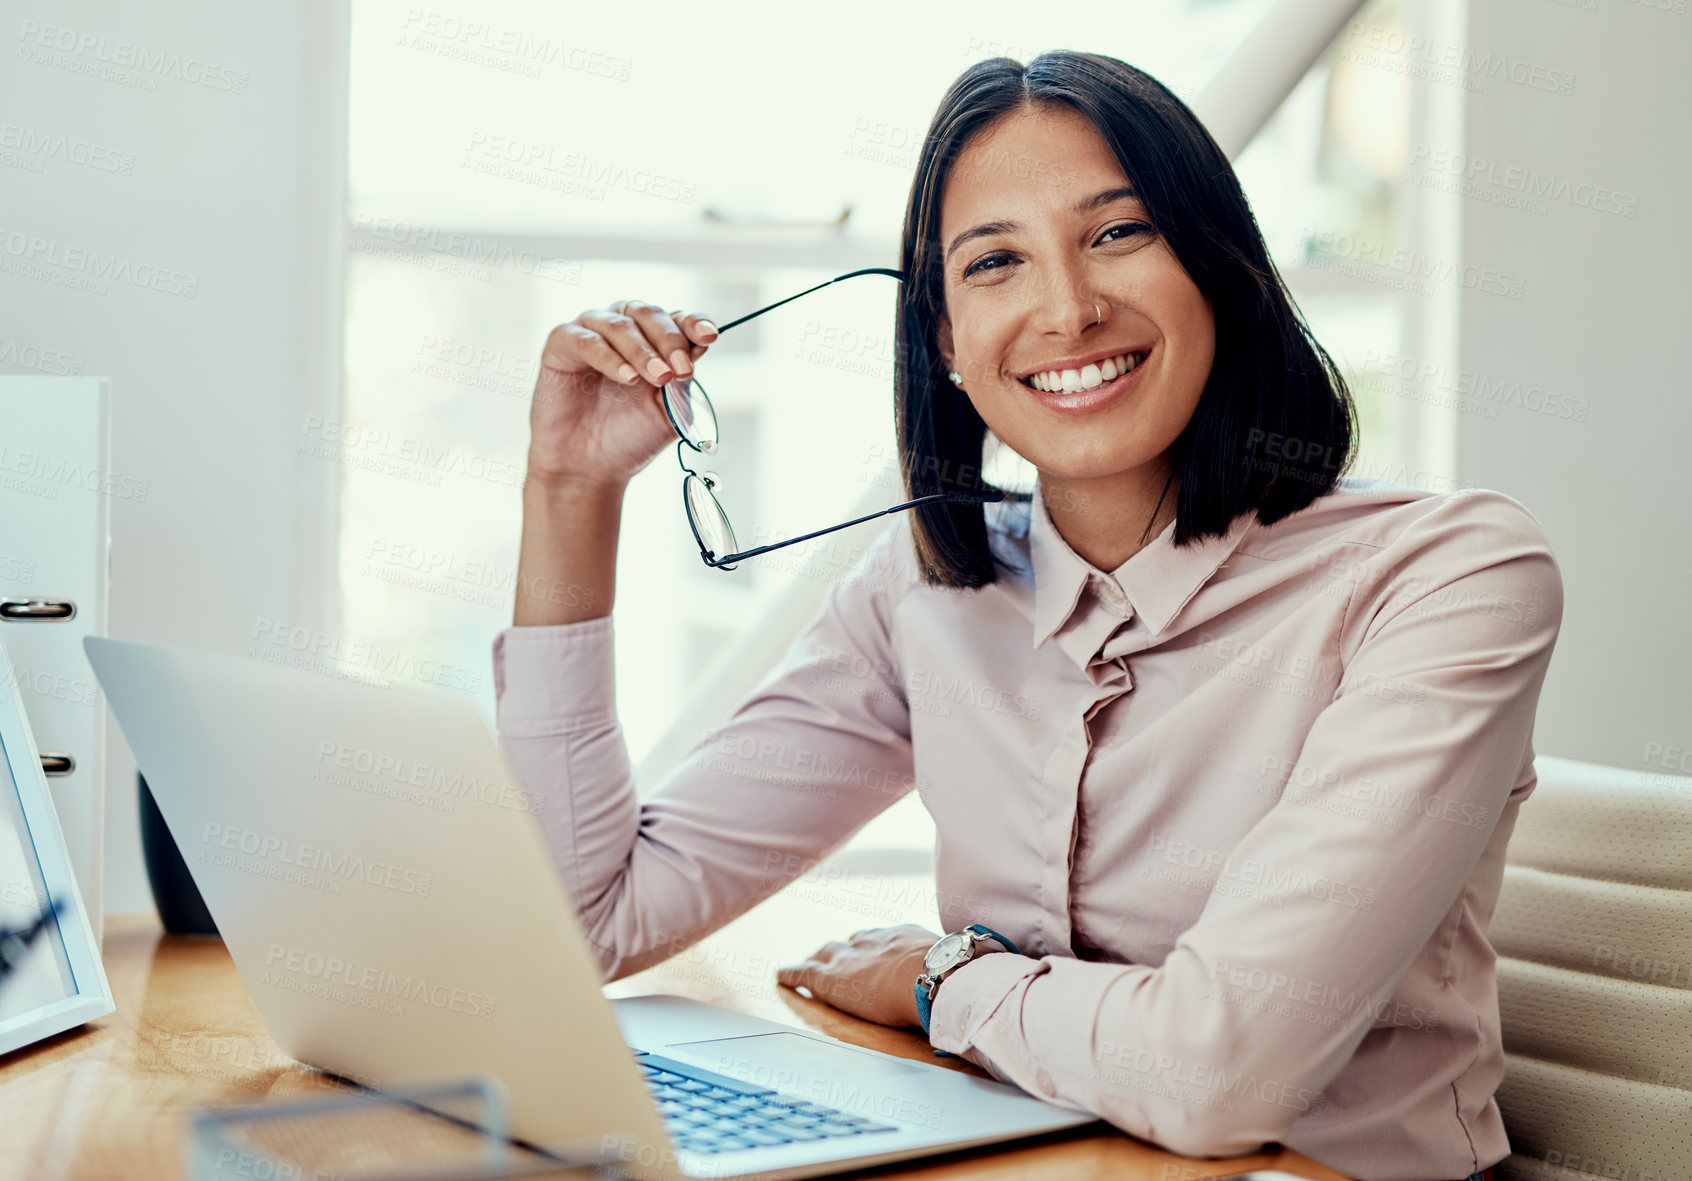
[(796, 1117), (787, 1114), (765, 1137), (806, 1133), (698, 1143), (802, 1125)]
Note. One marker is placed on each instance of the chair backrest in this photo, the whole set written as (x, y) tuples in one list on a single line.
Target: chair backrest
[(1594, 938)]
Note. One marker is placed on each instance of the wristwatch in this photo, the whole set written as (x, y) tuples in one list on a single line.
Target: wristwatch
[(949, 954)]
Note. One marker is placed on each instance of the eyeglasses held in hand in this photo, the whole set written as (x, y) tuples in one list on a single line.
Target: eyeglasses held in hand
[(695, 421)]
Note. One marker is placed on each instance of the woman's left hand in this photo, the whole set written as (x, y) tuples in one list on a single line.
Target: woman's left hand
[(871, 975)]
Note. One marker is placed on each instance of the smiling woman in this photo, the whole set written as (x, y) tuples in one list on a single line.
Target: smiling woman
[(1074, 213), (1223, 813)]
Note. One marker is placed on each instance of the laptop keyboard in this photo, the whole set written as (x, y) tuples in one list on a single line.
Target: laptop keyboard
[(708, 1112)]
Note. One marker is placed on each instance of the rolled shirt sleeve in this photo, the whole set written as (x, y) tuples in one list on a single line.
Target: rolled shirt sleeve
[(802, 764), (1447, 637)]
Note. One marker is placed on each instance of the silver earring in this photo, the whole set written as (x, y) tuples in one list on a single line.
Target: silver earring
[(957, 378)]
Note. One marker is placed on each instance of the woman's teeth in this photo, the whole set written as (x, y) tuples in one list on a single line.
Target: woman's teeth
[(1090, 377)]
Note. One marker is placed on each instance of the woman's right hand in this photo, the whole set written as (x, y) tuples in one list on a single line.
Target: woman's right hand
[(597, 416)]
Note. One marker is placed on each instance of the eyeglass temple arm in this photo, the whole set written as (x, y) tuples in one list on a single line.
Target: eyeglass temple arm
[(848, 275), (987, 497)]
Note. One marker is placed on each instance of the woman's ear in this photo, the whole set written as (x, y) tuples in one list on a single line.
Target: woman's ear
[(943, 339)]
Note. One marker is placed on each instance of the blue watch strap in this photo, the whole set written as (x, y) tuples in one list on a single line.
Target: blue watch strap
[(925, 1002), (925, 1006), (984, 929)]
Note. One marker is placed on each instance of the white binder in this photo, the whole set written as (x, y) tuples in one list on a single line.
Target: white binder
[(56, 488)]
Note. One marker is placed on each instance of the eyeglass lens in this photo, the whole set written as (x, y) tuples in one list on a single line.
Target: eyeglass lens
[(710, 523), (691, 413)]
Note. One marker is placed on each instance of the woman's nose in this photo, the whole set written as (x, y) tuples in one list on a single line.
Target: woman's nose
[(1070, 309)]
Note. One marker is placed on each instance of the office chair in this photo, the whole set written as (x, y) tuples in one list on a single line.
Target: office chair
[(1593, 931)]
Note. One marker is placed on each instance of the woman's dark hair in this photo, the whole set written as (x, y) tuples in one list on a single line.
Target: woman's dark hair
[(1274, 428)]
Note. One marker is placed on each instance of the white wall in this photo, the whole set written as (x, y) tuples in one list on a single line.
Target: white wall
[(227, 126), (1602, 320)]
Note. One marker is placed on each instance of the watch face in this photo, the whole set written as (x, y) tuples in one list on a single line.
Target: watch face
[(948, 953)]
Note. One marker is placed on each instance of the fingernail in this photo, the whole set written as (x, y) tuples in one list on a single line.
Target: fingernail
[(680, 363), (657, 369), (706, 328), (627, 372)]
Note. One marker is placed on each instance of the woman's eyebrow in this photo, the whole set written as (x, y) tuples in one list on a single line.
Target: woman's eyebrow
[(1086, 205), (985, 230), (1100, 199)]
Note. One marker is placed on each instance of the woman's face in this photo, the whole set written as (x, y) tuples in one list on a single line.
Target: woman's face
[(1042, 237)]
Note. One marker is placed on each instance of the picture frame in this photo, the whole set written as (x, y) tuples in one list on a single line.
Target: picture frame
[(59, 981)]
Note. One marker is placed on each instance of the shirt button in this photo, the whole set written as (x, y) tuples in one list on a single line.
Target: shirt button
[(1043, 1082)]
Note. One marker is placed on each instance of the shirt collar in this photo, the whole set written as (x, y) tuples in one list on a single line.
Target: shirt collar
[(1158, 580)]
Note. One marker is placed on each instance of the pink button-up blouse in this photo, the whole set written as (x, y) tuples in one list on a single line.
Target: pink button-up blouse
[(1242, 807)]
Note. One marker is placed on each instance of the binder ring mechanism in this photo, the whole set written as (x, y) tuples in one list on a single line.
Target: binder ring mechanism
[(53, 764), (37, 610)]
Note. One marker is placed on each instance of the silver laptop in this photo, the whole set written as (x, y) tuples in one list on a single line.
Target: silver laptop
[(380, 878)]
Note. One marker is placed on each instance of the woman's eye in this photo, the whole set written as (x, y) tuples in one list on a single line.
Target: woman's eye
[(988, 262), (1001, 259), (1125, 230)]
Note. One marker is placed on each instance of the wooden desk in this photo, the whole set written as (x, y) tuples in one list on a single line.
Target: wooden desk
[(111, 1100)]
